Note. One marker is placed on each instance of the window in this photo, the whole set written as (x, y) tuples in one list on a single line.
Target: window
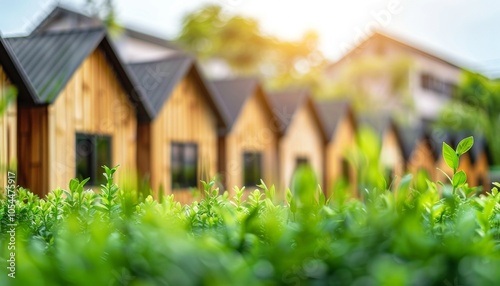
[(184, 162), (301, 161), (432, 83), (252, 168), (480, 185), (92, 152), (346, 171)]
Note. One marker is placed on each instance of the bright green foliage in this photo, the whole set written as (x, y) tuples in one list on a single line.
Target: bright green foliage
[(400, 237), (452, 159), (465, 145)]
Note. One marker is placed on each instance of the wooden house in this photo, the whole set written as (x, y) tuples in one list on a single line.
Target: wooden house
[(418, 151), (77, 109), (392, 159), (398, 75), (338, 120), (248, 150), (178, 147), (9, 75), (303, 137)]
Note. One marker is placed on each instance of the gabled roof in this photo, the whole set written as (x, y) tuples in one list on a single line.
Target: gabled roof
[(14, 72), (50, 59), (58, 12), (380, 36), (234, 93), (332, 112), (378, 122), (157, 79), (47, 61), (82, 20), (285, 105), (135, 34), (410, 136)]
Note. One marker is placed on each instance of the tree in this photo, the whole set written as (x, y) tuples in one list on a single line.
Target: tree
[(106, 12), (475, 109), (238, 41), (374, 84)]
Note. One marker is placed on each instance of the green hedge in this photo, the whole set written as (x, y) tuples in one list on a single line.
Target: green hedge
[(409, 237)]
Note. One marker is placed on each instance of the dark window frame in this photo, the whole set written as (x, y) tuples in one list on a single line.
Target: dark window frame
[(432, 83), (346, 169), (93, 158), (302, 161), (184, 180), (254, 179)]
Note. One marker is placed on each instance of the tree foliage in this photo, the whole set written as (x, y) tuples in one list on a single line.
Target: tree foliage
[(374, 83), (238, 42)]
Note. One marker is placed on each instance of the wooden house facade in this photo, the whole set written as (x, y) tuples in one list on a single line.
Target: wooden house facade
[(339, 122), (418, 152), (248, 150), (303, 138), (8, 113), (77, 112), (392, 157), (178, 147)]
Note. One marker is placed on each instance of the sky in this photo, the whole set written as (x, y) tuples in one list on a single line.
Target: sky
[(465, 32)]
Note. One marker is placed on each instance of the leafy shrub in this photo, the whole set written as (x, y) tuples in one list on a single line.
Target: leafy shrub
[(406, 237)]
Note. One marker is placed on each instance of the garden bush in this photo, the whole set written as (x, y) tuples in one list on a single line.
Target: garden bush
[(445, 234)]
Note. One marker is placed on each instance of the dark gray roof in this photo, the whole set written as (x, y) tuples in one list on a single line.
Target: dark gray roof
[(50, 59), (233, 94), (15, 73), (79, 19), (59, 12), (157, 79), (409, 136), (132, 33), (285, 104), (378, 122), (47, 61), (331, 112)]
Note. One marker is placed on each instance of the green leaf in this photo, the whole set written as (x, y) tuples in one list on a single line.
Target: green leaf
[(450, 157), (459, 179), (73, 185), (465, 145)]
